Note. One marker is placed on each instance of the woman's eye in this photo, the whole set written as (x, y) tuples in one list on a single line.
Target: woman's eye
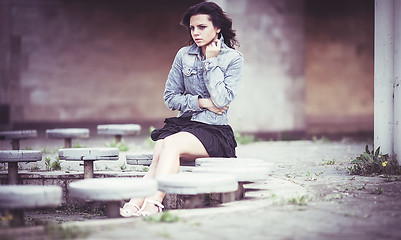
[(202, 27), (191, 28)]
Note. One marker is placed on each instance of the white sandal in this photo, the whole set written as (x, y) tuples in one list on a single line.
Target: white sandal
[(129, 212), (156, 203)]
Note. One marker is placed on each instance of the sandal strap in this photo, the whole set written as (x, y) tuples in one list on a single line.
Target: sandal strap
[(154, 202)]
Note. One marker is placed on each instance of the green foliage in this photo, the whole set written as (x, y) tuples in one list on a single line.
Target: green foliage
[(149, 142), (52, 165), (77, 145), (166, 216), (48, 163), (122, 146), (56, 165), (244, 139), (300, 200), (374, 163)]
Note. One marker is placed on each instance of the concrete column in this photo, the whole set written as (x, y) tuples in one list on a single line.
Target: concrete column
[(397, 80), (384, 75)]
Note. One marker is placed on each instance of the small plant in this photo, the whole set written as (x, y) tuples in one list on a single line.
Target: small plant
[(331, 162), (55, 166), (300, 200), (149, 142), (122, 146), (77, 145), (374, 163), (166, 216), (28, 148), (244, 139), (48, 163)]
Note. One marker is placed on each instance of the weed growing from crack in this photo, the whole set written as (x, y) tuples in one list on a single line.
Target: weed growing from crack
[(374, 163)]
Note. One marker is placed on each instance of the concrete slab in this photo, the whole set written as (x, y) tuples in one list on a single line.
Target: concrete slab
[(28, 197), (197, 183), (241, 173), (21, 134), (144, 159), (112, 189), (62, 133), (20, 155), (118, 129), (94, 154)]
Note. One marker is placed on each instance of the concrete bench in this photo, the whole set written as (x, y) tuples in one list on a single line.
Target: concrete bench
[(191, 190), (16, 136), (12, 157), (144, 159), (67, 134), (112, 191), (88, 155), (16, 199), (118, 130), (246, 170)]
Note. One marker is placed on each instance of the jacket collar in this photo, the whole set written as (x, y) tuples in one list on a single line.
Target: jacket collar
[(194, 49)]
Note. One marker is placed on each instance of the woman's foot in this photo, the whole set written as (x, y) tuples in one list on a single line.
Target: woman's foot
[(131, 208), (150, 207)]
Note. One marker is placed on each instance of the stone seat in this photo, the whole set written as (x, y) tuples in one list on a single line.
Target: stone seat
[(88, 155), (16, 136), (112, 191), (18, 198), (243, 174), (12, 157), (67, 134), (190, 190), (118, 130), (246, 170), (144, 159)]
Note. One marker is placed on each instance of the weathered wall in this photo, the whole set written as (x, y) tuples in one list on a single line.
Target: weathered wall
[(271, 34), (308, 63), (91, 60), (339, 65)]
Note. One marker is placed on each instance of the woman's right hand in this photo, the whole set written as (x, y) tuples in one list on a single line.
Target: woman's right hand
[(208, 104)]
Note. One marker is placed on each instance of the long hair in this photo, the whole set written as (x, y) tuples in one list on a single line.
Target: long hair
[(217, 16)]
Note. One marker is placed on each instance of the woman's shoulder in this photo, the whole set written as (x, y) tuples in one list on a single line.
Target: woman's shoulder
[(232, 53)]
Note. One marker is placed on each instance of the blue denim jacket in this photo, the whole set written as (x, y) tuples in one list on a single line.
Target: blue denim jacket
[(191, 78)]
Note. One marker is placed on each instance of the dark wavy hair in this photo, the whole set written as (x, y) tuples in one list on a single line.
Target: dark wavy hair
[(217, 16)]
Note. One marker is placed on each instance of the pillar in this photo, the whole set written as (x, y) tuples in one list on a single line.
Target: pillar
[(387, 91)]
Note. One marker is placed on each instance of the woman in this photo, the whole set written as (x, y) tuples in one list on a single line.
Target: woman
[(202, 82)]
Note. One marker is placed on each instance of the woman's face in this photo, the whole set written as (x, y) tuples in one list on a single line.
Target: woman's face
[(202, 29)]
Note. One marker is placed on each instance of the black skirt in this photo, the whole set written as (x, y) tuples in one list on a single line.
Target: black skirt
[(218, 140)]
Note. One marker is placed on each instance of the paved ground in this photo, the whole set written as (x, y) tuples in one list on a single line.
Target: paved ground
[(309, 195)]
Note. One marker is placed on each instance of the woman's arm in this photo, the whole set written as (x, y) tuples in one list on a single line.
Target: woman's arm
[(223, 87), (174, 95)]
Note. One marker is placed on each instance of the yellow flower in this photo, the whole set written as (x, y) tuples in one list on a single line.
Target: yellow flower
[(384, 164)]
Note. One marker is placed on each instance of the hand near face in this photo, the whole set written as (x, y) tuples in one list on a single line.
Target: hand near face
[(213, 49)]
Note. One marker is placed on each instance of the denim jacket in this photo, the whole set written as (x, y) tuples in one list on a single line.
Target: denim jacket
[(191, 78)]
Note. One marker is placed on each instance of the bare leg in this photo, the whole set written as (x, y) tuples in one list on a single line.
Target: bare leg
[(150, 174), (173, 147)]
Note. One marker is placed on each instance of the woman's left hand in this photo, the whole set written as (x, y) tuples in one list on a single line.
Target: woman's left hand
[(213, 49)]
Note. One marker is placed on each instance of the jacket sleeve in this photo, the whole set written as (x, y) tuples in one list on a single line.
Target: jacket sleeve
[(175, 96), (223, 86)]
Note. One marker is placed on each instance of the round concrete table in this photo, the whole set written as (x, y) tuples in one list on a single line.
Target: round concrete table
[(12, 157), (18, 198), (119, 130), (144, 159), (112, 191), (16, 136), (88, 155), (193, 190), (67, 134)]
